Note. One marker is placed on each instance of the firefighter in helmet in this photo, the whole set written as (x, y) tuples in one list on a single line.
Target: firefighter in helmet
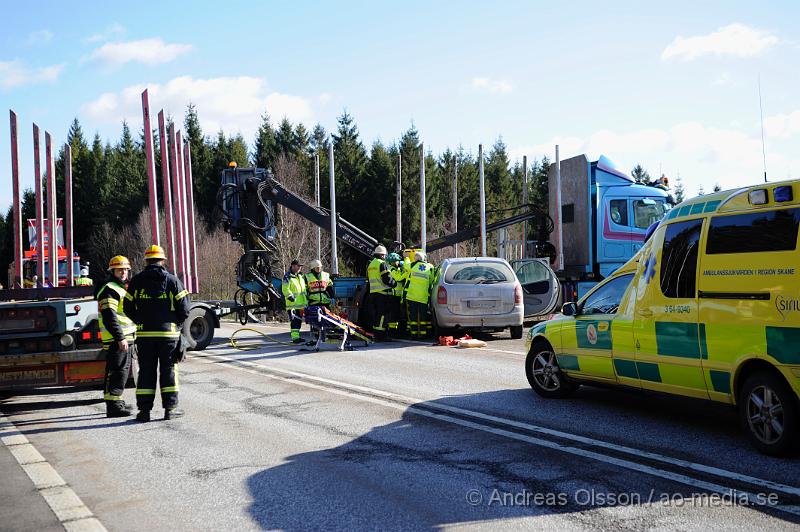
[(381, 284), (158, 305), (118, 334), (319, 285)]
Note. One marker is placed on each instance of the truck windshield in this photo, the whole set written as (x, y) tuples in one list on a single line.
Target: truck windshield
[(647, 211)]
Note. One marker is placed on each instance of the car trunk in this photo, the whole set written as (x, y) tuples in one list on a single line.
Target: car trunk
[(480, 299)]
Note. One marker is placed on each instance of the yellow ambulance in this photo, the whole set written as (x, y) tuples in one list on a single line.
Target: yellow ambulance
[(709, 308)]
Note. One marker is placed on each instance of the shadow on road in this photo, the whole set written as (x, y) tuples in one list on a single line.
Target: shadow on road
[(420, 473)]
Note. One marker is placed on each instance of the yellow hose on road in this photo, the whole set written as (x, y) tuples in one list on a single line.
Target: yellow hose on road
[(249, 347)]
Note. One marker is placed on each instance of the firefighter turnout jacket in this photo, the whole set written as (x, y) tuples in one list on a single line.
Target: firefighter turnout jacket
[(158, 304), (115, 325)]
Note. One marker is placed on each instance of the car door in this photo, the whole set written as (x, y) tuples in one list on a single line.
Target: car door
[(670, 344), (540, 286), (588, 343)]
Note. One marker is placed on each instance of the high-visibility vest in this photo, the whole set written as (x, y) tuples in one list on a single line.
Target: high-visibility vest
[(376, 284), (103, 303), (418, 285), (399, 276), (316, 286), (294, 284), (83, 281)]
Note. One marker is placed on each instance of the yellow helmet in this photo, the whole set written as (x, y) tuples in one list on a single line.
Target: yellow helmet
[(119, 262), (155, 252)]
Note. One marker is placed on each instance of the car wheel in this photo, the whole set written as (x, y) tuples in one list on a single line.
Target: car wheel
[(769, 412), (544, 375), (200, 327), (516, 332)]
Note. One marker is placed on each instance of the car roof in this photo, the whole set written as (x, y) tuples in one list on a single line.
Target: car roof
[(466, 260)]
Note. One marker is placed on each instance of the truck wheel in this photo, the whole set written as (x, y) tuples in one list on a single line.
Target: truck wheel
[(769, 412), (516, 332), (544, 375), (200, 326)]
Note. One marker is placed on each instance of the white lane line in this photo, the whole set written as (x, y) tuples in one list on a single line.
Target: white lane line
[(410, 401), (65, 503)]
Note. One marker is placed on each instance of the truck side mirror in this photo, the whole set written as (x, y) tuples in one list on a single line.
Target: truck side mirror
[(569, 309)]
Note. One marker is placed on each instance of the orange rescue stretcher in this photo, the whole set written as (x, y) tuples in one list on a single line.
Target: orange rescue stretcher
[(329, 326)]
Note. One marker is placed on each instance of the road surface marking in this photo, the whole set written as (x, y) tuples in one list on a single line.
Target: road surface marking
[(422, 407), (69, 509)]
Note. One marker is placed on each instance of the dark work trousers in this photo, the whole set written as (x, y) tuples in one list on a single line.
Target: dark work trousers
[(152, 353), (419, 323), (118, 368), (379, 307)]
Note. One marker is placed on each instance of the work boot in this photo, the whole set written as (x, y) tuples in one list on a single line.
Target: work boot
[(118, 409), (173, 413), (143, 415)]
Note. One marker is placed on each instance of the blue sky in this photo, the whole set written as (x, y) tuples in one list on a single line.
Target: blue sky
[(673, 86)]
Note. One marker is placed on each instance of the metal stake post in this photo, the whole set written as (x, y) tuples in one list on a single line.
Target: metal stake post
[(37, 175), (187, 163), (423, 222), (68, 240), (165, 166), (52, 234), (525, 202), (17, 211), (317, 200), (151, 171), (482, 193)]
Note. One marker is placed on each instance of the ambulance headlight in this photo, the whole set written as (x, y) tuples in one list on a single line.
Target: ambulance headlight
[(782, 194), (758, 197)]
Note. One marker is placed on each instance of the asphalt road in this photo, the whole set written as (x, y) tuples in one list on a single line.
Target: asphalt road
[(399, 436)]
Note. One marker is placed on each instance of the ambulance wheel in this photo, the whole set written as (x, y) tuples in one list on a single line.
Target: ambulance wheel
[(200, 326), (544, 375), (516, 332), (769, 412)]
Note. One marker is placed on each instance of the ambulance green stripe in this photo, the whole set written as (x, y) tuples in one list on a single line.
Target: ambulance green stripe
[(677, 339), (720, 381), (648, 371), (783, 343), (568, 362), (626, 368)]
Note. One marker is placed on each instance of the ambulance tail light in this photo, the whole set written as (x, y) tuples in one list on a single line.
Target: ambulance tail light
[(517, 294), (441, 296)]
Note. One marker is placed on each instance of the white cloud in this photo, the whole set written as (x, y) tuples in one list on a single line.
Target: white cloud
[(324, 98), (16, 74), (146, 51), (111, 31), (493, 86), (37, 38), (783, 125), (702, 155), (735, 40), (231, 103)]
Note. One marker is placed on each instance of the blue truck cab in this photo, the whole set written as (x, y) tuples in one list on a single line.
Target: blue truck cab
[(604, 217)]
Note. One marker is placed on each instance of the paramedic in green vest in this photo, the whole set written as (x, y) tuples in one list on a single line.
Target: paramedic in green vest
[(396, 315), (118, 334), (381, 285), (294, 294), (319, 286), (419, 280)]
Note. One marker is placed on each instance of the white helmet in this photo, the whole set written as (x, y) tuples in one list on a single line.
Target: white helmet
[(379, 250), (419, 256), (316, 263), (84, 272)]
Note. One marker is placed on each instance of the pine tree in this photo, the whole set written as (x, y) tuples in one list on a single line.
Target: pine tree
[(640, 175), (205, 176), (265, 146), (679, 190), (497, 180), (350, 158)]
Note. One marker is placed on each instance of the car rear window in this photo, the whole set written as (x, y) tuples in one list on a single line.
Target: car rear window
[(478, 273)]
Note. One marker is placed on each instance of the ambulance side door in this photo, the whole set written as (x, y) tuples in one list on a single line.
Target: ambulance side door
[(670, 344)]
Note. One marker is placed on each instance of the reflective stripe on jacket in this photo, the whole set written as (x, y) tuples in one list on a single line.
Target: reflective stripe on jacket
[(319, 288), (294, 284), (418, 282), (379, 277), (114, 324)]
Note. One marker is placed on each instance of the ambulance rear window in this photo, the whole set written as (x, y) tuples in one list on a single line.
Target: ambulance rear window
[(754, 232)]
